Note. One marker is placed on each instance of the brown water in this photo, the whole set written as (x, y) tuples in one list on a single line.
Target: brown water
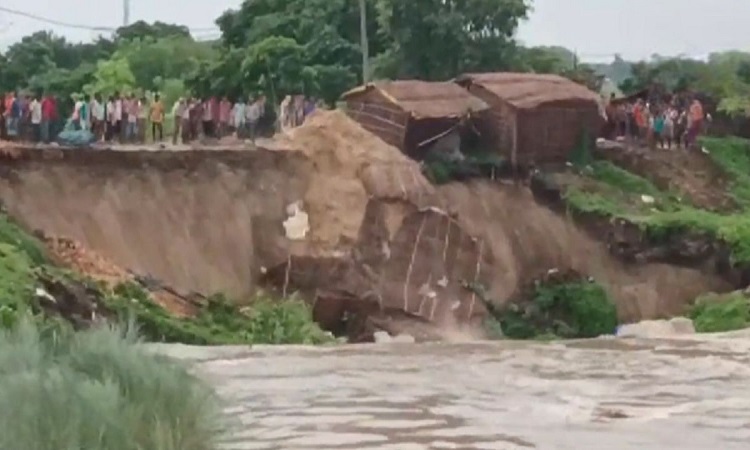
[(613, 394)]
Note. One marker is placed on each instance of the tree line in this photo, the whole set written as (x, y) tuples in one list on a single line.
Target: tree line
[(282, 47)]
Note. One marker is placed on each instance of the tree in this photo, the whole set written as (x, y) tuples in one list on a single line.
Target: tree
[(112, 76), (287, 47), (438, 39), (169, 57)]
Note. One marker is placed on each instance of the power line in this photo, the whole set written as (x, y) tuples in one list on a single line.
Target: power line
[(54, 22), (59, 23)]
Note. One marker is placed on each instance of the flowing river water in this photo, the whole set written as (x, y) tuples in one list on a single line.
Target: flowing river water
[(689, 393)]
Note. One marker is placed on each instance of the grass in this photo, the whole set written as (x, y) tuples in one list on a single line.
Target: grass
[(716, 313), (98, 389), (732, 154), (573, 309), (617, 193)]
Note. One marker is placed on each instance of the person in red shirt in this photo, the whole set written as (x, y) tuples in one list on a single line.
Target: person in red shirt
[(49, 117)]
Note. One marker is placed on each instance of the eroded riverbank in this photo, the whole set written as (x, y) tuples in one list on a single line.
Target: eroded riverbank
[(615, 394)]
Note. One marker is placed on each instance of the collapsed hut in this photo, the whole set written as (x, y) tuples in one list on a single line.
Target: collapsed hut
[(537, 118), (412, 115)]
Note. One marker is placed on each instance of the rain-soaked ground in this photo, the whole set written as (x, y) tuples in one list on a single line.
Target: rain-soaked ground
[(598, 394)]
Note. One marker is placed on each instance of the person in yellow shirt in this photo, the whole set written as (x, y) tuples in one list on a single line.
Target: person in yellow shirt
[(157, 118)]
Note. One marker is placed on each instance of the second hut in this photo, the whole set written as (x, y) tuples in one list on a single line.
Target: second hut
[(538, 118)]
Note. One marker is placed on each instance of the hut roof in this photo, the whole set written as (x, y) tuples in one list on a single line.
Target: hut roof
[(529, 90), (424, 99)]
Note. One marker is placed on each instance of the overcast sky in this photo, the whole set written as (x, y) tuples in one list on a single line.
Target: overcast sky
[(596, 29)]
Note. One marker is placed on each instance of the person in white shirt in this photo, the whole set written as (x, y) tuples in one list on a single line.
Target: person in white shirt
[(253, 114), (36, 118), (97, 116), (178, 112), (110, 116), (76, 117)]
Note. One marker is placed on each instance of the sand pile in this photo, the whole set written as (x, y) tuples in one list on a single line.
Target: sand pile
[(350, 166)]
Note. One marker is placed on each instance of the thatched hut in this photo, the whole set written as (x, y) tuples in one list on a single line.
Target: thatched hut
[(538, 118), (411, 114)]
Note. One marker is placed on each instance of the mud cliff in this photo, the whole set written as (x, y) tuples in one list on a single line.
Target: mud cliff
[(330, 211)]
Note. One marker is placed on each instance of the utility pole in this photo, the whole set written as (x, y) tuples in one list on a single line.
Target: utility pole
[(125, 13), (365, 44)]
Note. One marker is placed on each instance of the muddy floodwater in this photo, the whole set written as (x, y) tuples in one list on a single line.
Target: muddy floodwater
[(597, 394)]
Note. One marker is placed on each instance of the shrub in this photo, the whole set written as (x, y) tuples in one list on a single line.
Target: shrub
[(567, 309), (98, 389), (265, 321), (715, 313)]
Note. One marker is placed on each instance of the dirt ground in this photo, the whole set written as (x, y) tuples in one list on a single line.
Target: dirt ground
[(691, 174)]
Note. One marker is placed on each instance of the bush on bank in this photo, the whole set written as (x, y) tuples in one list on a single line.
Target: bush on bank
[(579, 309), (96, 389), (713, 313), (559, 305)]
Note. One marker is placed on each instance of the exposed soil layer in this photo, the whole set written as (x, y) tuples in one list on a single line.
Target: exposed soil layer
[(330, 211), (691, 174)]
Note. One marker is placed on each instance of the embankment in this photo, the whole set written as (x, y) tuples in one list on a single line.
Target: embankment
[(369, 229)]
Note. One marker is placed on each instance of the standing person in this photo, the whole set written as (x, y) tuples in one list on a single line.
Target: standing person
[(658, 125), (111, 107), (696, 122), (123, 108), (238, 113), (143, 115), (215, 116), (133, 111), (225, 116), (640, 119), (86, 113), (196, 119), (36, 119), (97, 116), (48, 117), (177, 110), (157, 119), (75, 117), (254, 113), (12, 116), (24, 123), (668, 131), (207, 118)]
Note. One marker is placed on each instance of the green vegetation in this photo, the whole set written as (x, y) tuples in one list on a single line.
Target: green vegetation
[(574, 309), (23, 265), (715, 313), (98, 390), (614, 192), (266, 321), (559, 306)]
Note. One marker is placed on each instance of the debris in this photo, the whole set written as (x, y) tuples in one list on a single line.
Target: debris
[(298, 224), (647, 199)]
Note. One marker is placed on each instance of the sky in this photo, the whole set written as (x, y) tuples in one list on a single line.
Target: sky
[(595, 29)]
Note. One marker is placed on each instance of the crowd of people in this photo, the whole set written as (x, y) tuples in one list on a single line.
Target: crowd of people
[(126, 118), (658, 125)]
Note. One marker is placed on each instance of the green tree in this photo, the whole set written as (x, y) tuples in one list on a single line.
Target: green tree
[(152, 60), (112, 76), (437, 39)]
